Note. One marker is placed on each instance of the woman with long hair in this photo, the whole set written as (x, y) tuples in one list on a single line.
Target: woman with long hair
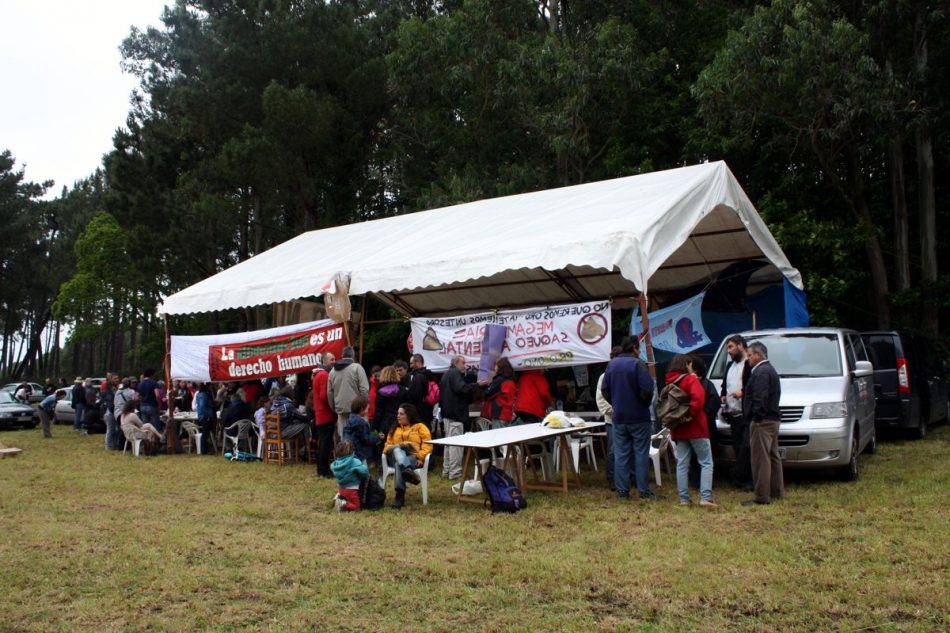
[(406, 448), (499, 402), (134, 429), (390, 394), (691, 438)]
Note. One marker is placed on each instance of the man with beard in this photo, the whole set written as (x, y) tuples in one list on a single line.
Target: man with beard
[(733, 385)]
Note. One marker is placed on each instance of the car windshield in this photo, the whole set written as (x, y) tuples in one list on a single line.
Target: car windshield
[(6, 397), (794, 355)]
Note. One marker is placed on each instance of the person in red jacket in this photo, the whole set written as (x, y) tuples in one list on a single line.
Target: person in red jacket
[(693, 437), (500, 395), (324, 417), (534, 396)]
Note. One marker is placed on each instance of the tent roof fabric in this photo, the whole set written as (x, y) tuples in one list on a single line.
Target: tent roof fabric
[(653, 232)]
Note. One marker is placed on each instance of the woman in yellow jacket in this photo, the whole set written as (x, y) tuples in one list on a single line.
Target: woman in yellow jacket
[(406, 449)]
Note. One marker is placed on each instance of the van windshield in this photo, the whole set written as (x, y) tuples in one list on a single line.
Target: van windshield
[(794, 355)]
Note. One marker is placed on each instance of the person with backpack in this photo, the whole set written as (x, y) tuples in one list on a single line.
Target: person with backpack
[(691, 437), (628, 387), (390, 395), (499, 402), (417, 393)]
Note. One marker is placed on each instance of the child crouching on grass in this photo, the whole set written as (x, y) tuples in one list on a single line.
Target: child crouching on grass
[(349, 471)]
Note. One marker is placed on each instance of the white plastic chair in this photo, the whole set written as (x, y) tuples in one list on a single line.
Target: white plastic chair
[(585, 442), (659, 449), (136, 447), (194, 435), (243, 428), (422, 471)]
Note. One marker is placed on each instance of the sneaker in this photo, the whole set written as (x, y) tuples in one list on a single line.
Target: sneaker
[(400, 499), (651, 496), (687, 502), (708, 504), (623, 495), (339, 502)]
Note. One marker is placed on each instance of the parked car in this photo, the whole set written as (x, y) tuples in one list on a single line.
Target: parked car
[(909, 384), (35, 397), (63, 412), (827, 402), (14, 413)]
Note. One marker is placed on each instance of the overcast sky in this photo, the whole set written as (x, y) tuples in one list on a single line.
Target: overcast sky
[(64, 94)]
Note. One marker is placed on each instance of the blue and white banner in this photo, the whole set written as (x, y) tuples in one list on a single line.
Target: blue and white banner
[(677, 328)]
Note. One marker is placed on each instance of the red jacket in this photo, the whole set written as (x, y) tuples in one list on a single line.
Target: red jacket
[(322, 412), (534, 397), (500, 404), (373, 388), (697, 428)]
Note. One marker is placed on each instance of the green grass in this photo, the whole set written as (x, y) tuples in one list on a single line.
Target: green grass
[(102, 541)]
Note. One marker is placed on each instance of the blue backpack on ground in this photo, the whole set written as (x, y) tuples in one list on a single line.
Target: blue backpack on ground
[(503, 494)]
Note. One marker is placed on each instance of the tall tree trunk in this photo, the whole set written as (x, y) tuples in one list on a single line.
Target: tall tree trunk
[(899, 203), (927, 208)]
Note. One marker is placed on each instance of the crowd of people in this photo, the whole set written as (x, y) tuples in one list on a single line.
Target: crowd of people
[(386, 418)]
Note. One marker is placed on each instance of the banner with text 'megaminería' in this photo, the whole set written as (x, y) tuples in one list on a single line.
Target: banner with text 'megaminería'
[(555, 336), (275, 355)]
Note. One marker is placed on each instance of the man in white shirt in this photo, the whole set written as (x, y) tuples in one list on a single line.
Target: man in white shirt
[(733, 386)]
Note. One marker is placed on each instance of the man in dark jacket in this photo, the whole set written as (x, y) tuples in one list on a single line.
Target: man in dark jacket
[(418, 388), (77, 398), (760, 407), (455, 394), (628, 387)]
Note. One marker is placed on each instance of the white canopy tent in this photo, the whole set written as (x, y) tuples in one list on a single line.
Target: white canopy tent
[(621, 238)]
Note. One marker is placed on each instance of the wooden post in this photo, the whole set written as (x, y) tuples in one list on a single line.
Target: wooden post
[(647, 339), (171, 428)]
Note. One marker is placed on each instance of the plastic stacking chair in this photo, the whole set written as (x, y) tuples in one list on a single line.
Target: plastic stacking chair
[(659, 449), (242, 430), (136, 446), (193, 432), (281, 450), (583, 442), (422, 471)]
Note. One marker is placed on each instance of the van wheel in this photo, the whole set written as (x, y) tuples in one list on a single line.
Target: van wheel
[(920, 432), (849, 472), (871, 448)]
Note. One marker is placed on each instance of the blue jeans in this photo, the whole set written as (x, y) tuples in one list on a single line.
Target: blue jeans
[(632, 443), (684, 451), (399, 459), (148, 414), (609, 456), (112, 431), (80, 411)]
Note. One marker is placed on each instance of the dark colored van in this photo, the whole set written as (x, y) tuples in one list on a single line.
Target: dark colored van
[(910, 383)]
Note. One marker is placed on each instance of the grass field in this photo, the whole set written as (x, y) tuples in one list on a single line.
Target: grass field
[(102, 541)]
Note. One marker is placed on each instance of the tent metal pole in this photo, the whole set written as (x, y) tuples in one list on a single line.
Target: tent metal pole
[(171, 429), (645, 322), (362, 325)]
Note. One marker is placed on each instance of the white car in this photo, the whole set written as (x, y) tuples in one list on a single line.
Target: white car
[(35, 397)]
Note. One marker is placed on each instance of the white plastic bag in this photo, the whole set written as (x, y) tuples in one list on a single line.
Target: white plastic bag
[(470, 488)]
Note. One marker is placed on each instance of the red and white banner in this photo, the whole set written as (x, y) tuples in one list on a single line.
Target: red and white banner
[(276, 355), (249, 355), (555, 336)]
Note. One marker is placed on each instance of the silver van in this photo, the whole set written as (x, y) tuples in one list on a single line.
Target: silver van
[(827, 403)]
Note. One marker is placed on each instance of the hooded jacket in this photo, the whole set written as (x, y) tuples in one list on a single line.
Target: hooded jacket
[(415, 434), (534, 396), (418, 390), (349, 470), (357, 431), (346, 381), (323, 413), (388, 399), (697, 427), (500, 400)]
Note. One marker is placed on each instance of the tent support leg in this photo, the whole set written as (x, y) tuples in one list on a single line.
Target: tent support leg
[(171, 428), (647, 339)]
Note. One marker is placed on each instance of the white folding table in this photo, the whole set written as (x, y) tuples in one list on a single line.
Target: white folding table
[(515, 438)]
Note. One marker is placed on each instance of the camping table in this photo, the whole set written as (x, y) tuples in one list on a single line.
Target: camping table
[(515, 439)]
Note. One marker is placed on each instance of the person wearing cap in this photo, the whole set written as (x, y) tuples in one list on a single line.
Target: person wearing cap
[(77, 397)]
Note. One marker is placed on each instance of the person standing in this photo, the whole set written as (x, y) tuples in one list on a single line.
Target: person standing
[(500, 395), (418, 388), (107, 402), (534, 396), (149, 397), (77, 398), (733, 385), (760, 408), (324, 417), (628, 387), (347, 380), (455, 394), (47, 411), (389, 397), (691, 438), (608, 412)]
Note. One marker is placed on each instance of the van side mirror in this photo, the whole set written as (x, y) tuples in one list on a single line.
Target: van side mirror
[(863, 368)]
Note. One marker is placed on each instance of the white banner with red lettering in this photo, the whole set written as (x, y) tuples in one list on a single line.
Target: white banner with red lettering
[(248, 355), (557, 336)]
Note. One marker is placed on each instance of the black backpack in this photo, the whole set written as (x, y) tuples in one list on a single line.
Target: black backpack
[(672, 407), (503, 494), (372, 495)]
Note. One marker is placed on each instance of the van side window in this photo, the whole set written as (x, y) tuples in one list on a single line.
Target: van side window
[(860, 351), (849, 351)]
